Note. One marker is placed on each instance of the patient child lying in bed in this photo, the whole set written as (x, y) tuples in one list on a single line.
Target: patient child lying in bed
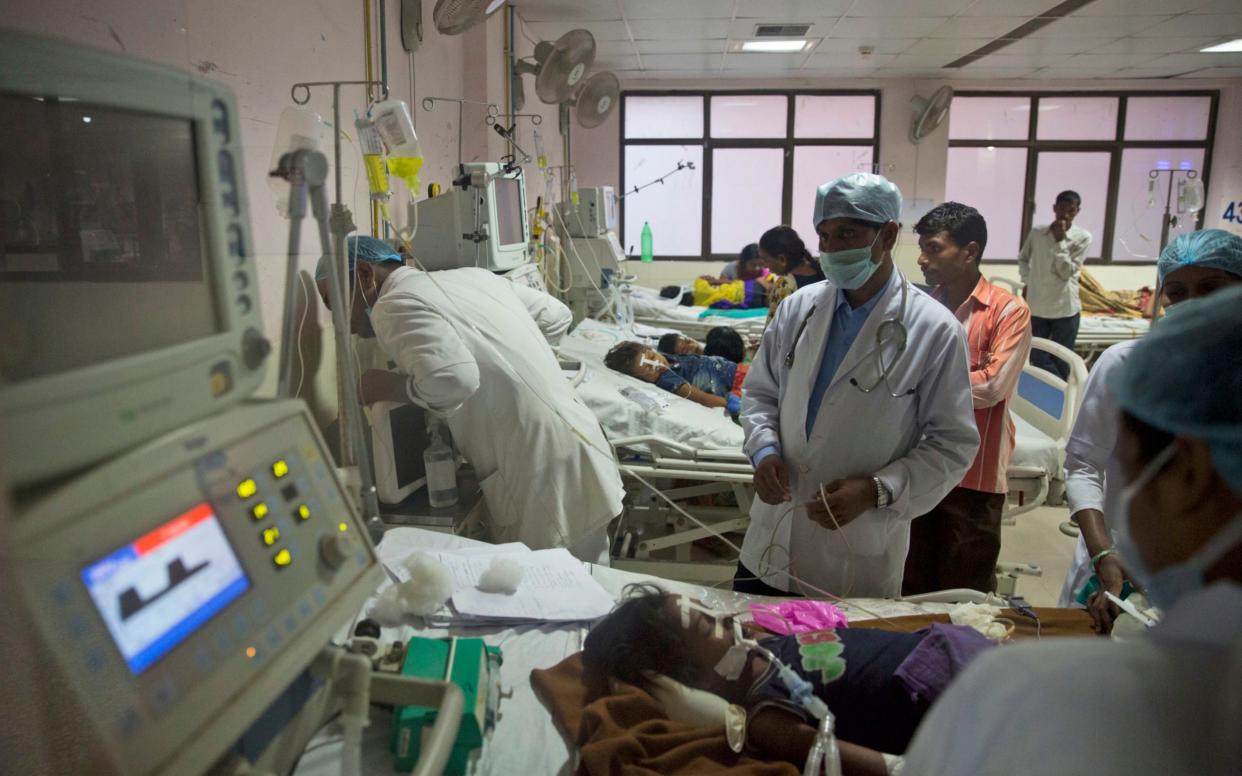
[(708, 380), (721, 341), (877, 684), (721, 294)]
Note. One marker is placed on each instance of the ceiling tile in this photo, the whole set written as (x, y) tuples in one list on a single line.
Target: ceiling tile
[(1148, 71), (1076, 72), (744, 29), (679, 29), (1051, 46), (1216, 6), (1074, 27), (1189, 24), (881, 44), (850, 61), (684, 46), (601, 30), (617, 62), (889, 9), (1188, 61), (952, 48), (1004, 60), (901, 27), (922, 61), (791, 10), (1010, 7), (567, 10), (987, 27), (682, 61), (764, 62), (1154, 45), (1106, 61), (901, 72), (975, 72), (681, 9), (1217, 72), (1136, 7)]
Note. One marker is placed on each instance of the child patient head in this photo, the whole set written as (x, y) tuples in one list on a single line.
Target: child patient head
[(647, 633), (725, 342), (679, 345), (636, 360)]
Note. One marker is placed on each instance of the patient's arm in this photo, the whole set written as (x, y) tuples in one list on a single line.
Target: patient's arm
[(688, 391), (782, 735)]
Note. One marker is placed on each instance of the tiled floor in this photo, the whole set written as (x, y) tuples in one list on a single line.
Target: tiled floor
[(1036, 539)]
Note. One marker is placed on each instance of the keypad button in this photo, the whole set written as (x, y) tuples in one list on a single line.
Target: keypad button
[(290, 492), (247, 488), (303, 512), (282, 558), (259, 511), (280, 469), (271, 535)]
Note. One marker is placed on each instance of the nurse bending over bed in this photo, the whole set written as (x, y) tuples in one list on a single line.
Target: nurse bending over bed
[(708, 380)]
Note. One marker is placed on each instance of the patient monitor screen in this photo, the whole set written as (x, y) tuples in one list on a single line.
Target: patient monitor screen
[(156, 591), (101, 236), (509, 211)]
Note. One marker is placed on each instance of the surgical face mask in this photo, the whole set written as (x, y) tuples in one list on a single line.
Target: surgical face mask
[(1167, 585), (849, 269)]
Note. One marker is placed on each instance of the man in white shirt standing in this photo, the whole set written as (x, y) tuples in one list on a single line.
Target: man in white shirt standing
[(1050, 262)]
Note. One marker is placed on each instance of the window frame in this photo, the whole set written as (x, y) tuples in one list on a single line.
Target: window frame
[(709, 144), (1113, 147)]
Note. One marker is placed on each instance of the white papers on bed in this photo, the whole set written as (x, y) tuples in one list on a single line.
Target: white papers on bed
[(555, 587)]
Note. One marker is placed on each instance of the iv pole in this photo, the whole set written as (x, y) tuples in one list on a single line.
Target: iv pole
[(307, 172), (1169, 220)]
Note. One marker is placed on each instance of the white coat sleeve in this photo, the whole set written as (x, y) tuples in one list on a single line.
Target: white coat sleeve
[(761, 391), (443, 372), (552, 317), (948, 435), (1093, 437)]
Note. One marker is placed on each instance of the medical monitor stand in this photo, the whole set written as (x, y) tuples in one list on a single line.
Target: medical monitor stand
[(307, 172)]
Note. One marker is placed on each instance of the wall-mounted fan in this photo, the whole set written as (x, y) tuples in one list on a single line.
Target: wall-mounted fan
[(559, 68), (929, 113), (596, 99), (453, 17)]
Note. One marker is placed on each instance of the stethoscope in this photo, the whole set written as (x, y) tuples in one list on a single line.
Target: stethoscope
[(890, 331)]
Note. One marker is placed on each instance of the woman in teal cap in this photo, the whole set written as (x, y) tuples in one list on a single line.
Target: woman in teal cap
[(1169, 700), (1193, 265)]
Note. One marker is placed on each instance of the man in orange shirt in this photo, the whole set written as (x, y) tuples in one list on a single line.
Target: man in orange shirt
[(957, 543)]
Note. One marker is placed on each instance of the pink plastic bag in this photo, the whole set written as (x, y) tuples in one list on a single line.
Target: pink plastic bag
[(798, 617)]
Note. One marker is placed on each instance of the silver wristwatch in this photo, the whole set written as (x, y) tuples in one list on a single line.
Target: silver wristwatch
[(882, 497)]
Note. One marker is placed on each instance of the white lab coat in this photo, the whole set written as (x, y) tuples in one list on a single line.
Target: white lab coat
[(477, 347), (1090, 460), (1168, 702), (920, 445)]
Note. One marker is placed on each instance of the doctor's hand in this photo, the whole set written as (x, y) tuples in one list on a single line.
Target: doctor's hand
[(846, 498), (1103, 611), (772, 480), (381, 385)]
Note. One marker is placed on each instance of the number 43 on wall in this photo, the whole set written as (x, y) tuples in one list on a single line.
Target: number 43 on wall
[(1233, 212)]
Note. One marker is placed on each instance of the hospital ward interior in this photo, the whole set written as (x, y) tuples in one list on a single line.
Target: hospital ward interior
[(621, 387)]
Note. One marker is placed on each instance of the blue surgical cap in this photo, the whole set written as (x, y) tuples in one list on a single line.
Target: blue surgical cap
[(1185, 378), (367, 249), (1214, 248), (860, 195)]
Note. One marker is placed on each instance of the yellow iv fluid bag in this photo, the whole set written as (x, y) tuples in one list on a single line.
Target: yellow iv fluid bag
[(373, 162), (405, 155)]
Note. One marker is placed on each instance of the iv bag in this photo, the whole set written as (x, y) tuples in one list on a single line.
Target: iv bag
[(1191, 196), (299, 129)]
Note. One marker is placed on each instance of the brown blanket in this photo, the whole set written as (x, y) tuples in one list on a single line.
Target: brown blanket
[(627, 734)]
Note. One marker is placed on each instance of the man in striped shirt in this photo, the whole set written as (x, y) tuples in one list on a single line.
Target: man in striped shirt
[(957, 543)]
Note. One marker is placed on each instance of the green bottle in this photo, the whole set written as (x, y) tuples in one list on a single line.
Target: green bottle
[(646, 242)]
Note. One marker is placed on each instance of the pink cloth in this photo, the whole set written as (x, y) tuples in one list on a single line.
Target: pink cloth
[(802, 616)]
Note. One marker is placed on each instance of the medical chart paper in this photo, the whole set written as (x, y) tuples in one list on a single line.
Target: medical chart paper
[(555, 587)]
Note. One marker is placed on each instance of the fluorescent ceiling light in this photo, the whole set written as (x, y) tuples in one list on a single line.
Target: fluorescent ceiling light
[(775, 46), (1221, 48)]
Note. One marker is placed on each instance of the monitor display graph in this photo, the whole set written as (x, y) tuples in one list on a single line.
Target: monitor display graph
[(157, 590)]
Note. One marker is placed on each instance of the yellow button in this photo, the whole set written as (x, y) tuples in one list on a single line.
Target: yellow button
[(259, 511), (303, 511), (247, 488), (280, 469), (270, 535), (282, 558)]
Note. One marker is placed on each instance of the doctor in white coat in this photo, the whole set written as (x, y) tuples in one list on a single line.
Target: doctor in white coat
[(473, 349), (857, 411)]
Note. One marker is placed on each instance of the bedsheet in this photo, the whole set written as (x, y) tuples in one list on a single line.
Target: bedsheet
[(1033, 447), (525, 740), (1110, 329), (681, 420)]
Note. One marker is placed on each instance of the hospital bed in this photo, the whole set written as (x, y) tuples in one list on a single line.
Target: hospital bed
[(689, 451), (654, 310), (525, 739)]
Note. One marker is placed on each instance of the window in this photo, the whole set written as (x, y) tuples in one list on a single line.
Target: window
[(758, 158), (1010, 154)]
